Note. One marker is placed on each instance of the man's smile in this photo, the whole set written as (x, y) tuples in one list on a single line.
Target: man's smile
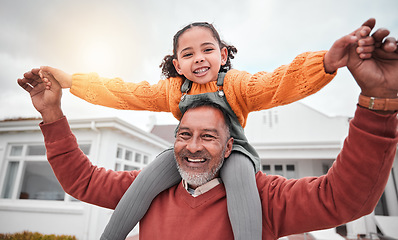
[(196, 160)]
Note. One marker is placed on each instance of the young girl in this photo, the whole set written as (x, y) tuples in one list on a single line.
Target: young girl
[(200, 67)]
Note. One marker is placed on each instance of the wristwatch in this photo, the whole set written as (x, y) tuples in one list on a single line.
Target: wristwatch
[(383, 104)]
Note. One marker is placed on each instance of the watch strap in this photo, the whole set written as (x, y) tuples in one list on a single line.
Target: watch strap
[(383, 104)]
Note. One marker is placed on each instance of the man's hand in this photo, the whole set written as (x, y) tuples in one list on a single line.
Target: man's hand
[(47, 101), (378, 75), (371, 59)]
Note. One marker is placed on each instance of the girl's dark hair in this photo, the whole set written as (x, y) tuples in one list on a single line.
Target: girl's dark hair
[(167, 66)]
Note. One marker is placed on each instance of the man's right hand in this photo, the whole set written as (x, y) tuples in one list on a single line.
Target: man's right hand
[(47, 101)]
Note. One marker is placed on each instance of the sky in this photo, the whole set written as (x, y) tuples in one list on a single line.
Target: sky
[(129, 38)]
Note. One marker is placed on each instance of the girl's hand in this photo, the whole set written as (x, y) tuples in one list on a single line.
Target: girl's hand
[(63, 78), (358, 42)]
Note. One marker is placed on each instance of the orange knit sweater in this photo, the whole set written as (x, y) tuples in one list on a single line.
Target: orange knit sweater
[(245, 92)]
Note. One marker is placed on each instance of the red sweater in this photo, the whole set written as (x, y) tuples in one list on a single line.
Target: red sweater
[(350, 190)]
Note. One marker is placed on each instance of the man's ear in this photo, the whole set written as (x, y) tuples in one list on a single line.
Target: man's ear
[(177, 66), (224, 56), (228, 149)]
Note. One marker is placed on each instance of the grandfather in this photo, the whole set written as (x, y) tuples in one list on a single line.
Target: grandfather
[(196, 208)]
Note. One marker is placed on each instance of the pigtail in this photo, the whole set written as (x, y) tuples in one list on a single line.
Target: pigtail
[(167, 66), (231, 55)]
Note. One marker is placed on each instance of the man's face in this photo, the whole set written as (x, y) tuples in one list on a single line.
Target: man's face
[(202, 143)]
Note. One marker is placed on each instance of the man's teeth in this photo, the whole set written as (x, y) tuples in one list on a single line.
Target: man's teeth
[(196, 160)]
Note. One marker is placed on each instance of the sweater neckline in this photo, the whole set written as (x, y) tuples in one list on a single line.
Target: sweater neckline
[(194, 202)]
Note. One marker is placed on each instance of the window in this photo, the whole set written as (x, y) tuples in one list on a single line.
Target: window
[(16, 151), (386, 204), (130, 168), (85, 148), (128, 159), (138, 157), (28, 175), (36, 151), (266, 169), (11, 175), (270, 118), (325, 168), (119, 152), (129, 155), (290, 171), (146, 160), (285, 170), (39, 182), (278, 170)]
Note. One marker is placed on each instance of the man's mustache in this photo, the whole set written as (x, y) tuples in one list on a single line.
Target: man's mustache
[(199, 154)]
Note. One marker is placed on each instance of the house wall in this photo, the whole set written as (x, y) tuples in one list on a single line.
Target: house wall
[(294, 123)]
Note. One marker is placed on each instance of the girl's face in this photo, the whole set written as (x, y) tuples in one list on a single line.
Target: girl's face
[(199, 56)]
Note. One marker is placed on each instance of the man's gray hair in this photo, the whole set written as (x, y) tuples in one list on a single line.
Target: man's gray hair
[(209, 103)]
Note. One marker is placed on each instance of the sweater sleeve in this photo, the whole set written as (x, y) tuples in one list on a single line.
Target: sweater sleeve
[(350, 189), (304, 76), (116, 93), (77, 176)]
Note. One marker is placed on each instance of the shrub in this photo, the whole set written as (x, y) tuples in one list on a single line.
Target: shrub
[(34, 236)]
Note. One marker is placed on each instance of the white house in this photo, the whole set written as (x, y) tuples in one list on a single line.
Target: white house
[(296, 141), (293, 141), (31, 197)]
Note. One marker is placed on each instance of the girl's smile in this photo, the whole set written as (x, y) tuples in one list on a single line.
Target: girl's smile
[(199, 56)]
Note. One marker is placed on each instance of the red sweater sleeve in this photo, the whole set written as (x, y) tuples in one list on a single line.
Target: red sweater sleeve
[(78, 177), (350, 189)]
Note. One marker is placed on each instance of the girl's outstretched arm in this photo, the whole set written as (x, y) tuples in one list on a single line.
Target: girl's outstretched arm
[(113, 92)]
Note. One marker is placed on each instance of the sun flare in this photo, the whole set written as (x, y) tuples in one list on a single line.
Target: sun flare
[(97, 56)]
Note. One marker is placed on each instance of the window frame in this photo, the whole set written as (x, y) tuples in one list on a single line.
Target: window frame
[(131, 164), (22, 160), (284, 171)]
